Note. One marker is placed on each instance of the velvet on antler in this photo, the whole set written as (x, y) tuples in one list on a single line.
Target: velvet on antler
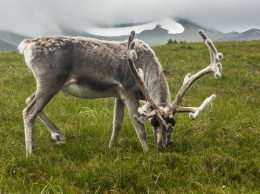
[(215, 67), (150, 109)]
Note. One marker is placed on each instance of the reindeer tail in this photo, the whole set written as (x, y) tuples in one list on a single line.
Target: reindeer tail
[(24, 45)]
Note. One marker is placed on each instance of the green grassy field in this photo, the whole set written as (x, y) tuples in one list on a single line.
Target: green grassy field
[(206, 157)]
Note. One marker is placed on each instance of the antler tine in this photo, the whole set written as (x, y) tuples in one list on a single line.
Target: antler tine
[(203, 106), (130, 39), (203, 35), (215, 56), (215, 66)]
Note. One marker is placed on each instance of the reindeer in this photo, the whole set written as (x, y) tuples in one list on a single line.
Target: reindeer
[(89, 68)]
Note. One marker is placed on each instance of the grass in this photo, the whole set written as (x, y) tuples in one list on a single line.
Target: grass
[(206, 157)]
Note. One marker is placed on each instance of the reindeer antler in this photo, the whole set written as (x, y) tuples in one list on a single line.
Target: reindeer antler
[(150, 109), (215, 67), (139, 75), (149, 104)]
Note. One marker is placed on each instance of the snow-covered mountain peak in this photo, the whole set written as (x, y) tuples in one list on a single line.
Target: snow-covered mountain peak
[(167, 23)]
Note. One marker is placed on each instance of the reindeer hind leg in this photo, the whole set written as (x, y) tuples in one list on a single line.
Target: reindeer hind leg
[(56, 133), (36, 104)]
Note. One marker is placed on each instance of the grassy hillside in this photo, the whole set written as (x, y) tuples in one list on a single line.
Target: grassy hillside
[(206, 157)]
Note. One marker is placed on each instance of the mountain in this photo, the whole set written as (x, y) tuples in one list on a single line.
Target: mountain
[(168, 24), (253, 34), (5, 46), (160, 31), (154, 33), (9, 40), (190, 33), (159, 36)]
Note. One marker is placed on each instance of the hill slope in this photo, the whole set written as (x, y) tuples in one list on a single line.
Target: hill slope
[(10, 40), (253, 34), (5, 46)]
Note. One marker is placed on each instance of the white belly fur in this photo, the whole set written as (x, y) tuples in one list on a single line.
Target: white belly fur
[(86, 92)]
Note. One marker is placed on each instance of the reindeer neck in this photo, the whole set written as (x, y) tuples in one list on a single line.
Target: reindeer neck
[(153, 74), (157, 84)]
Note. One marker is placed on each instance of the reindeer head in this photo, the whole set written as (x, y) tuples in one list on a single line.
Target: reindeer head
[(162, 116)]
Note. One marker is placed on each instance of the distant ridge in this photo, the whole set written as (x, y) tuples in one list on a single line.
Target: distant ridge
[(157, 36), (5, 46), (9, 40), (253, 34)]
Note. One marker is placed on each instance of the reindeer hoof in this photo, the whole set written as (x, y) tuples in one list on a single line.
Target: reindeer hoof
[(159, 146), (58, 138), (29, 151), (111, 144)]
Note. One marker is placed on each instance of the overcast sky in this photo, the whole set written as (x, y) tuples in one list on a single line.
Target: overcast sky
[(39, 17)]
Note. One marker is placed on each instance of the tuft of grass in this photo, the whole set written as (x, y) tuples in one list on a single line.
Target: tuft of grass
[(206, 157)]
